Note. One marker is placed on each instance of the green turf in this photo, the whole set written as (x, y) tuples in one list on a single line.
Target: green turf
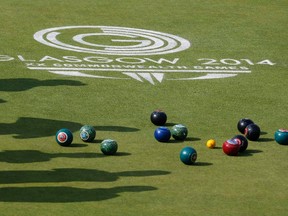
[(39, 177)]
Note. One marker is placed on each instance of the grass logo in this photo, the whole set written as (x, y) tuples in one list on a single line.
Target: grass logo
[(132, 41), (128, 53)]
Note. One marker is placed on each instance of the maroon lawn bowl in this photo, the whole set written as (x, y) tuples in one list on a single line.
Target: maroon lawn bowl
[(231, 147)]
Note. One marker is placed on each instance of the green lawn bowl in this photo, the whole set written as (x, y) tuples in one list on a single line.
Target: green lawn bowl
[(109, 147), (179, 132)]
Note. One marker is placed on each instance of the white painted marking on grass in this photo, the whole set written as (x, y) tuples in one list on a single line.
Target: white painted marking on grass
[(158, 76), (134, 76), (134, 42), (140, 70), (79, 74), (140, 74), (126, 42), (147, 76), (208, 76)]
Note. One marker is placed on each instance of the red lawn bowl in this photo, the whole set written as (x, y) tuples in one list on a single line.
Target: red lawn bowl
[(231, 147)]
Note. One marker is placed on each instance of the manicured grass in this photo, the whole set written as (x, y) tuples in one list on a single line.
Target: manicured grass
[(38, 177)]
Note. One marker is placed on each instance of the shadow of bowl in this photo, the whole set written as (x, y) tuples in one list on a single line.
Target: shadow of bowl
[(202, 164)]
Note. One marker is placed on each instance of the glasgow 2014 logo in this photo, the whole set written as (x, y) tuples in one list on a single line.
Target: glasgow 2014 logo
[(127, 53)]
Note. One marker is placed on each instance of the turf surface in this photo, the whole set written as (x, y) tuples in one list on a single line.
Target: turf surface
[(39, 177)]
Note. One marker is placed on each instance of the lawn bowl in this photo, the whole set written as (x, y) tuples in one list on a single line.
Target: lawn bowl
[(243, 123), (64, 137), (231, 147), (252, 132), (281, 136), (162, 134), (87, 133), (179, 132), (158, 117), (244, 142), (109, 147), (188, 155)]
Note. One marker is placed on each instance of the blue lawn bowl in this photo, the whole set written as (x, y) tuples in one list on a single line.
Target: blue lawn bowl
[(188, 155), (162, 134)]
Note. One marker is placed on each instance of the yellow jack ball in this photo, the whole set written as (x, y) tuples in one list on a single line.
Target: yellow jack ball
[(211, 143)]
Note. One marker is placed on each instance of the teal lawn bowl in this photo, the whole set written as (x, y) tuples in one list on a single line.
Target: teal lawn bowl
[(188, 155), (281, 136)]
